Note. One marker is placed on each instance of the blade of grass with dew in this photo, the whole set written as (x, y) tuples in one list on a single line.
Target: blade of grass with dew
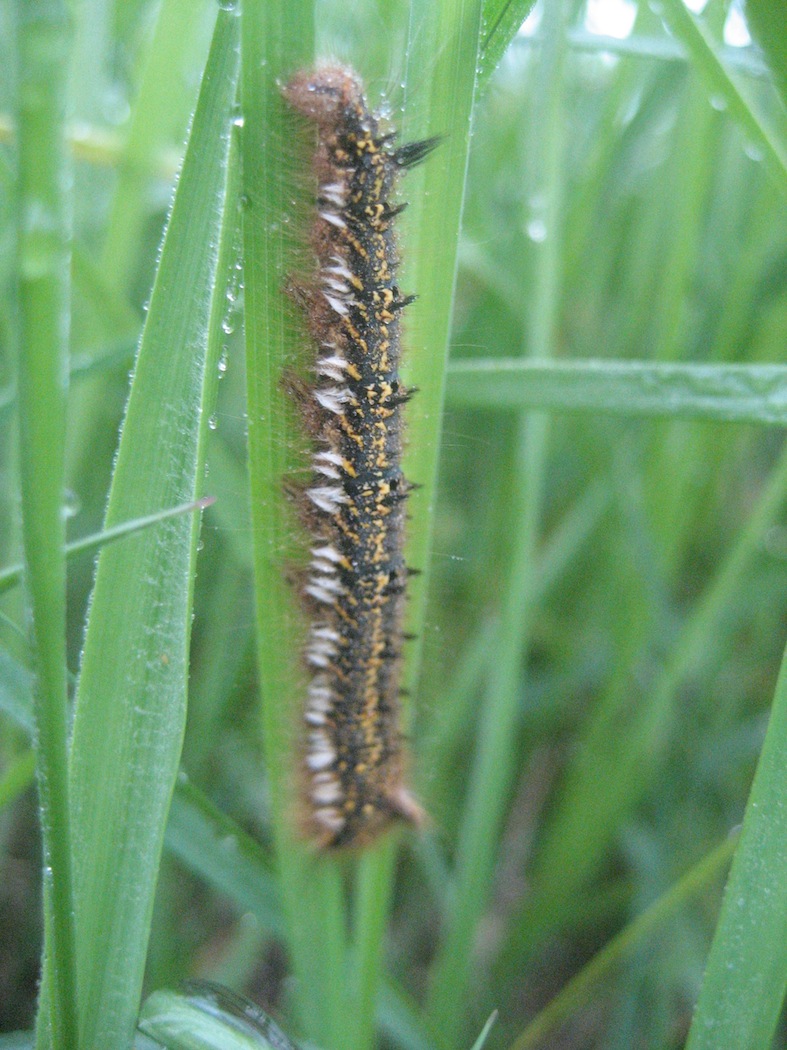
[(727, 393), (130, 704), (277, 38), (746, 978), (579, 989), (502, 21), (449, 30), (721, 84), (494, 759), (43, 40)]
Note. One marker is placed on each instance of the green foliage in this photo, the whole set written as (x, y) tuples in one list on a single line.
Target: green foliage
[(601, 612)]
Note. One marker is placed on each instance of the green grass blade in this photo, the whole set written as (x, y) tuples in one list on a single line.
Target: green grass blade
[(277, 39), (372, 901), (729, 393), (215, 848), (722, 85), (11, 576), (746, 978), (450, 31), (502, 21), (482, 1036), (130, 703), (581, 987), (766, 18), (494, 759), (16, 692), (43, 263)]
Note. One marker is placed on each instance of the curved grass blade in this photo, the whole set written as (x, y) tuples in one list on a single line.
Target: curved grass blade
[(493, 762), (746, 978), (130, 705), (206, 1016)]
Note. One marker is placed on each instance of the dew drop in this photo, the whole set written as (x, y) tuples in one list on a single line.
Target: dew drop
[(537, 230), (72, 504)]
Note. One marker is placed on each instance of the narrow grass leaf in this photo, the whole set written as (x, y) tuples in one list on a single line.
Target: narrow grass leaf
[(728, 393), (766, 19), (219, 851), (746, 977), (43, 39), (130, 705), (502, 21), (720, 84), (482, 1037), (16, 691), (579, 989), (11, 576), (494, 758)]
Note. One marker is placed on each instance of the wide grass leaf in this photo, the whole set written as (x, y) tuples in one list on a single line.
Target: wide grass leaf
[(131, 700)]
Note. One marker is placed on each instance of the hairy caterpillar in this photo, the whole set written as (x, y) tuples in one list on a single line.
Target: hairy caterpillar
[(354, 506)]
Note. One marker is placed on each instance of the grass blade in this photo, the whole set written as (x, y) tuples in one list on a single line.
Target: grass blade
[(43, 261), (502, 21), (277, 39), (11, 576), (766, 19), (130, 704), (729, 393), (494, 758), (580, 988), (721, 84), (222, 854), (746, 978)]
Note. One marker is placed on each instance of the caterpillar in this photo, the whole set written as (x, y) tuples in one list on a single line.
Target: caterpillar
[(353, 592)]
